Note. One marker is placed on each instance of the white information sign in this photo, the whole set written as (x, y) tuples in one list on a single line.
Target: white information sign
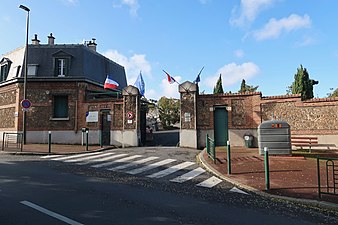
[(92, 116)]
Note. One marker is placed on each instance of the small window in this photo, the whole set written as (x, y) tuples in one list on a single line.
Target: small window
[(61, 67), (32, 69), (5, 64), (60, 106), (3, 72)]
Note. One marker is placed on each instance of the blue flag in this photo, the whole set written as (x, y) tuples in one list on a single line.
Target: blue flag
[(139, 83), (198, 78)]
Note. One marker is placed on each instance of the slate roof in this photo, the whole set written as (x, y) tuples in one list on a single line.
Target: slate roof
[(84, 63)]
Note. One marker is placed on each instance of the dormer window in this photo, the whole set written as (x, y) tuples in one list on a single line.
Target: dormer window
[(62, 67), (62, 63), (4, 68)]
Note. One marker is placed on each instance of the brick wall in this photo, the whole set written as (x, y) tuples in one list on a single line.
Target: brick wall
[(8, 106), (243, 110), (315, 116)]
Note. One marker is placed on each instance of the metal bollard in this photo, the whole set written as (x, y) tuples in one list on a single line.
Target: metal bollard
[(228, 157), (266, 167), (87, 140), (49, 141)]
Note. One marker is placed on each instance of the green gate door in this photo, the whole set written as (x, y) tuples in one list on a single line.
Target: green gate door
[(220, 126), (105, 127)]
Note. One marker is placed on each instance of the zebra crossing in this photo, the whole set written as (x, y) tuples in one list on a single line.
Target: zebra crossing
[(141, 165)]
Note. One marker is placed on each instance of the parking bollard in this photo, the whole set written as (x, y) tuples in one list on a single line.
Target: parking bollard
[(228, 157), (86, 140), (49, 141), (266, 167)]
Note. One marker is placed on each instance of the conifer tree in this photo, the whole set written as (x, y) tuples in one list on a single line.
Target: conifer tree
[(303, 84), (247, 88), (218, 89)]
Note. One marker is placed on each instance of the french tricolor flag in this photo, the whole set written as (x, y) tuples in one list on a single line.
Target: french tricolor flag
[(110, 83), (171, 80)]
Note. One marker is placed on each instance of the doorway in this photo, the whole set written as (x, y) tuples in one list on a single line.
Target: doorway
[(220, 125), (105, 127)]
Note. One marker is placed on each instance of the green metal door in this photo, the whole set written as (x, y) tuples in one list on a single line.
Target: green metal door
[(220, 126), (105, 127)]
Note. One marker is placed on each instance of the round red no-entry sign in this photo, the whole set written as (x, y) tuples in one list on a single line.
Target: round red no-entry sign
[(26, 104)]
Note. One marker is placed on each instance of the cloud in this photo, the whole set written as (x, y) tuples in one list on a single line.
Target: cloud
[(132, 4), (249, 9), (306, 41), (133, 65), (239, 53), (274, 28), (71, 2), (170, 90), (233, 73)]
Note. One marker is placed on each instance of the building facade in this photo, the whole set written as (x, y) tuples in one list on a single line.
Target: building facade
[(65, 88)]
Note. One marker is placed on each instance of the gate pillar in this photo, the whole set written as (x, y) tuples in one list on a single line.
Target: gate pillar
[(188, 128), (131, 116)]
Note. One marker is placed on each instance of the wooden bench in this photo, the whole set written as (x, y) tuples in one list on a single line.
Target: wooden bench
[(304, 142)]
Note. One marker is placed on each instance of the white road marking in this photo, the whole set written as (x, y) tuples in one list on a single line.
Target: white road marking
[(237, 190), (125, 160), (188, 176), (50, 213), (109, 163), (209, 183), (170, 170), (77, 156), (151, 166), (50, 156), (97, 159), (138, 162), (89, 157)]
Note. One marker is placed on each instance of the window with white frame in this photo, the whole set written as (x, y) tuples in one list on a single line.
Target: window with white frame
[(61, 67)]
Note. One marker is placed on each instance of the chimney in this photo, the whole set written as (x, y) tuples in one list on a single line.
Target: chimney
[(51, 39), (35, 41), (92, 45)]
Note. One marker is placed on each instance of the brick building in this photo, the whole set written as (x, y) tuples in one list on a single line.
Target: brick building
[(232, 116), (65, 87)]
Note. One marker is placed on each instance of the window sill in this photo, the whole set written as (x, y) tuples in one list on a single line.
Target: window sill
[(59, 119)]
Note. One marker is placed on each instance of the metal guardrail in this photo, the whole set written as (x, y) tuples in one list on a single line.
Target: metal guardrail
[(210, 146), (330, 187), (12, 141)]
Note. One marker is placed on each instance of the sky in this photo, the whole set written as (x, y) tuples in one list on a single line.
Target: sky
[(261, 41)]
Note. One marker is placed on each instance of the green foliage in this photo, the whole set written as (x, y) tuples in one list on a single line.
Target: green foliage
[(303, 84), (247, 88), (169, 111), (218, 89), (334, 93)]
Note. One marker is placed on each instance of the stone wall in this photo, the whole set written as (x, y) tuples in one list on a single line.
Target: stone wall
[(315, 116), (243, 110), (8, 108)]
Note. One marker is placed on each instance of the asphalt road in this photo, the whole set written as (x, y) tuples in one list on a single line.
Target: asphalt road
[(45, 191)]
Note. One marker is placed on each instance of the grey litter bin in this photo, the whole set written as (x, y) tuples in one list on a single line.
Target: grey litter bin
[(248, 139)]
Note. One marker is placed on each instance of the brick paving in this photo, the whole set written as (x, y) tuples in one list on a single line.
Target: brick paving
[(290, 176)]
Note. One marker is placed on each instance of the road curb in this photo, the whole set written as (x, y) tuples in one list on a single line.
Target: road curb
[(313, 203)]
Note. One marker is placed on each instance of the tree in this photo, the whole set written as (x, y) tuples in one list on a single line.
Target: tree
[(169, 111), (303, 84), (218, 89), (247, 88), (334, 93)]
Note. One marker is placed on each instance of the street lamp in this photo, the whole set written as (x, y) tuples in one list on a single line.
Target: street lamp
[(25, 74)]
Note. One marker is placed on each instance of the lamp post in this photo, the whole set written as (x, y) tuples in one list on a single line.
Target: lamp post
[(25, 8)]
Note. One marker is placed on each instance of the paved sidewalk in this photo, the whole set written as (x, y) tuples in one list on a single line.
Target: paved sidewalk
[(290, 176), (55, 149)]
